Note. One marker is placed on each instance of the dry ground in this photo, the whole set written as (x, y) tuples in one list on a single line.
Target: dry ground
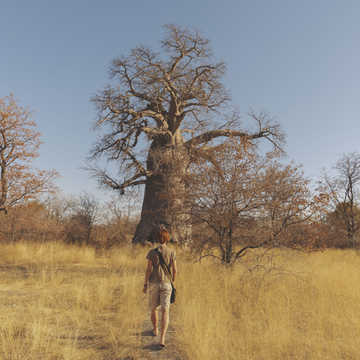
[(150, 343), (61, 302), (65, 302)]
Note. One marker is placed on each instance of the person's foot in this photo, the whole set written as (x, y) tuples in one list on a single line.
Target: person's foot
[(155, 332), (162, 346)]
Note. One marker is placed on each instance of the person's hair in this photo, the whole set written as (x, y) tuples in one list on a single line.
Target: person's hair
[(162, 236)]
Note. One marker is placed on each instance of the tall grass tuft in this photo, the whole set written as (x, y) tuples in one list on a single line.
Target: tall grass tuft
[(224, 313)]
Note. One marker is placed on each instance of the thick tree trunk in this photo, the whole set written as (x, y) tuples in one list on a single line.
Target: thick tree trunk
[(164, 204), (227, 252)]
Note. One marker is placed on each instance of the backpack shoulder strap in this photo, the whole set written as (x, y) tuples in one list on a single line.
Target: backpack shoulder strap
[(163, 265)]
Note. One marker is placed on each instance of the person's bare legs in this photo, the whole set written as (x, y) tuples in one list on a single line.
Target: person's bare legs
[(154, 320), (164, 324)]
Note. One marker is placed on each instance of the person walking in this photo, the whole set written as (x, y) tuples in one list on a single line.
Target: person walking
[(159, 284)]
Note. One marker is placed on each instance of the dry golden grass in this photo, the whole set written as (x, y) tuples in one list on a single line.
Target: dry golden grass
[(67, 302), (226, 314)]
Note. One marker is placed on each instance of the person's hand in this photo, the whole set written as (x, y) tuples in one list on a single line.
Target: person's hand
[(145, 289)]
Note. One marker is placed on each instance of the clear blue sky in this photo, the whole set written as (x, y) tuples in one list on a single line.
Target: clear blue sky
[(300, 60)]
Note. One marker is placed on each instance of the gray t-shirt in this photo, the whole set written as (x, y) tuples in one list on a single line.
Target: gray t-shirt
[(157, 275)]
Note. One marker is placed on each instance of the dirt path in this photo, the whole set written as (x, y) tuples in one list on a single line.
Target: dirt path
[(17, 298), (150, 343)]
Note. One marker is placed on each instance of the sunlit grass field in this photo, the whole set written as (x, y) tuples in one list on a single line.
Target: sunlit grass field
[(313, 312), (66, 302)]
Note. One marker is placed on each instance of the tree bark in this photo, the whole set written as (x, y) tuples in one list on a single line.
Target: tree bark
[(164, 204)]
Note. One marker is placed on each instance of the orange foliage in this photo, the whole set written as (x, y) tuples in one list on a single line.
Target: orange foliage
[(19, 144), (24, 222)]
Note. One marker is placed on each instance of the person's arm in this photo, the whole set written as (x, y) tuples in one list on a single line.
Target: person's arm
[(174, 269), (147, 275)]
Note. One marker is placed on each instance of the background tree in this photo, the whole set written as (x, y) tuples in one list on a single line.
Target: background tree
[(121, 217), (59, 208), (176, 104), (86, 214), (23, 222), (344, 192), (241, 200), (19, 144)]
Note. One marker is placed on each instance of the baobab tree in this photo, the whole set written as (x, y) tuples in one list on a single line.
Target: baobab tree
[(161, 111), (19, 145)]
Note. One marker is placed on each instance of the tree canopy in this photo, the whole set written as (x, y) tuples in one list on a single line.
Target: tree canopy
[(164, 108), (19, 145), (343, 189)]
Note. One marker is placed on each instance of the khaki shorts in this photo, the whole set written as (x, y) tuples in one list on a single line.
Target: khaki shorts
[(160, 294)]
